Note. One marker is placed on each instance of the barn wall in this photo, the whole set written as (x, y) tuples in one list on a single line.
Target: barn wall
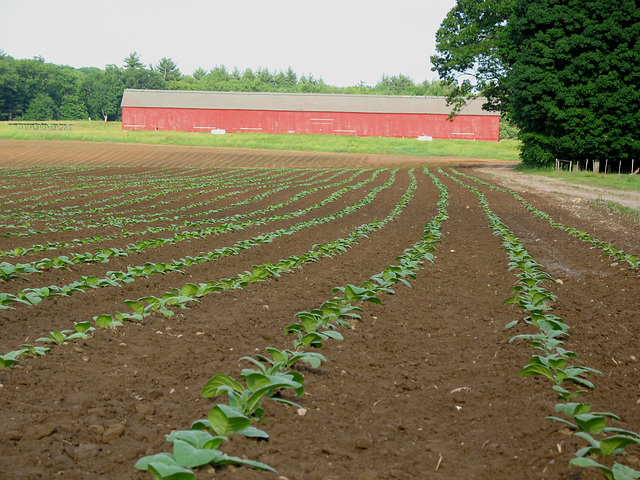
[(470, 127)]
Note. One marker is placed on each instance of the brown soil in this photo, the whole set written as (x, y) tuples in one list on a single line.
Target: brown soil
[(423, 386), (19, 153)]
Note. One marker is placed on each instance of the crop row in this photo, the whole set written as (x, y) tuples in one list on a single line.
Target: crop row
[(552, 360), (122, 221), (116, 278), (19, 251), (199, 445), (96, 186), (65, 215), (102, 255), (191, 292)]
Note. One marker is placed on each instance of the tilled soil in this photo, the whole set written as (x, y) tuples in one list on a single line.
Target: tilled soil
[(423, 386)]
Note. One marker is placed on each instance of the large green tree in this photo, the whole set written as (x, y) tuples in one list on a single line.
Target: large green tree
[(566, 71), (42, 107), (574, 78), (471, 50), (102, 91)]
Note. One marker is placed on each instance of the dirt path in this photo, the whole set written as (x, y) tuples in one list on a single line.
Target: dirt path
[(554, 186)]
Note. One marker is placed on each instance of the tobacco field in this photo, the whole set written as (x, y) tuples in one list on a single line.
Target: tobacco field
[(307, 316)]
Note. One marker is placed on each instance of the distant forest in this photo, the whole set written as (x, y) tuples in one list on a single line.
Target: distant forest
[(34, 90)]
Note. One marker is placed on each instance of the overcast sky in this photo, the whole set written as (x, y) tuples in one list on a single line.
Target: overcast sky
[(341, 41)]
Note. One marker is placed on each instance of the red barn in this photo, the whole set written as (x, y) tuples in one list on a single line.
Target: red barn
[(360, 115)]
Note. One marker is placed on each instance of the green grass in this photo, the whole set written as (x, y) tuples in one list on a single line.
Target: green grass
[(614, 208), (112, 132), (611, 181)]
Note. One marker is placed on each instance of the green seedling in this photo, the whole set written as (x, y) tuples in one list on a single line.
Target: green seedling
[(287, 358), (616, 472), (592, 423), (221, 418), (248, 401), (34, 351), (192, 448), (547, 342), (60, 337), (264, 271), (255, 378), (226, 420), (54, 337), (8, 298), (108, 320), (9, 359), (566, 395), (80, 330), (555, 368), (9, 271), (355, 294), (612, 445), (164, 466), (160, 304), (337, 309), (310, 339)]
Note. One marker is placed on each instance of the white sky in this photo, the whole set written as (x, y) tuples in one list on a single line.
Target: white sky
[(341, 41)]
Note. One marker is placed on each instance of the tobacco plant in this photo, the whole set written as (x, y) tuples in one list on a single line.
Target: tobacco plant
[(191, 449), (248, 400), (59, 337)]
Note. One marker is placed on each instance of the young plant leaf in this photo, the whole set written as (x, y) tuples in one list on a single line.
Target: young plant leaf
[(187, 455), (163, 466), (253, 433), (137, 307), (615, 443), (622, 472), (590, 423), (587, 462), (534, 370), (228, 460), (224, 420), (210, 388)]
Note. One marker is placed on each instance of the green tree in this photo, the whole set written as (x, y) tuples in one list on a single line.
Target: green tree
[(10, 104), (21, 81), (436, 88), (133, 61), (103, 93), (566, 72), (472, 51), (143, 78), (199, 73), (290, 79), (41, 108), (395, 85), (72, 108), (574, 78), (168, 69)]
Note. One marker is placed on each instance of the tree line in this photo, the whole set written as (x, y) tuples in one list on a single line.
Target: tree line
[(566, 72), (34, 90)]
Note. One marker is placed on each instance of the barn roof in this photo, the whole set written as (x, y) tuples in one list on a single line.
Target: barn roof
[(305, 102)]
